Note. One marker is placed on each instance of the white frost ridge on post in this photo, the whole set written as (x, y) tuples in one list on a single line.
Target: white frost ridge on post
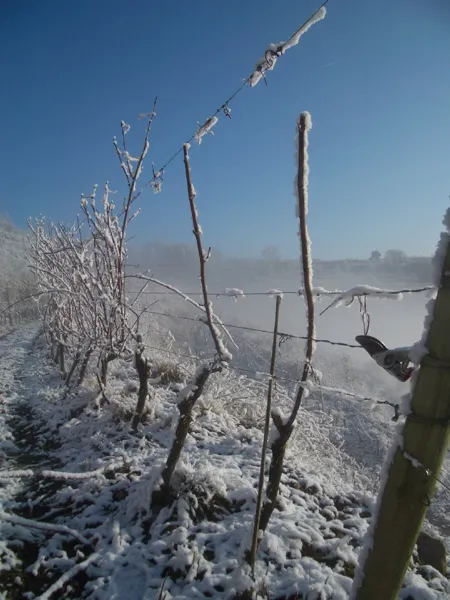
[(419, 349), (274, 51), (308, 126), (304, 169)]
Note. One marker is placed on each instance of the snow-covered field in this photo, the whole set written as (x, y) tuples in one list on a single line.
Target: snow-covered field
[(76, 487)]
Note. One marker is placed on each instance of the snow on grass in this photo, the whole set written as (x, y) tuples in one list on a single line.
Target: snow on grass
[(13, 354), (127, 548)]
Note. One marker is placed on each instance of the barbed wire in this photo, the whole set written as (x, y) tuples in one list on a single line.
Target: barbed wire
[(193, 357), (270, 57), (326, 389), (416, 463), (159, 173), (282, 335), (318, 293)]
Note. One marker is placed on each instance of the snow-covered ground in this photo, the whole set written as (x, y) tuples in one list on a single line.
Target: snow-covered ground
[(76, 486)]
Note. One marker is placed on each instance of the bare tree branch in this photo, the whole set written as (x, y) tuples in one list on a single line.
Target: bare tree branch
[(256, 529), (285, 426)]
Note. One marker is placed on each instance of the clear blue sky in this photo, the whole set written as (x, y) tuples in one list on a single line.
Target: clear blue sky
[(374, 75)]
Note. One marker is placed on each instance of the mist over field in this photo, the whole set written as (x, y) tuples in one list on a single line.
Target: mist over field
[(396, 322), (361, 430)]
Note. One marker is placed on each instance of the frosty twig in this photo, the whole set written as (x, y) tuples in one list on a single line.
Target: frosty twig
[(256, 529), (187, 298), (284, 426), (188, 396), (67, 576), (222, 353), (44, 526), (80, 274)]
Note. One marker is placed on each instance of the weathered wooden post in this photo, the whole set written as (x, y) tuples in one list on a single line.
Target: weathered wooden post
[(417, 460)]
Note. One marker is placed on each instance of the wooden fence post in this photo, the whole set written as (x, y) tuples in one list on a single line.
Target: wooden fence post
[(411, 477)]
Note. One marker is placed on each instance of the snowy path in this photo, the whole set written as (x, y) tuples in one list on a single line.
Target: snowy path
[(16, 359), (20, 382)]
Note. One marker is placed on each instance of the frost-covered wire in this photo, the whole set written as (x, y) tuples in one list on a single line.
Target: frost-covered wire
[(261, 375), (354, 292), (236, 293), (282, 335), (362, 291), (186, 297), (273, 52), (205, 128)]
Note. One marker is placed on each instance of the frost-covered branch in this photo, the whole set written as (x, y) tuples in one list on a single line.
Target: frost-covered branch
[(188, 299), (80, 272), (259, 502), (49, 474), (222, 353), (15, 520), (68, 575), (190, 394), (143, 368), (285, 425)]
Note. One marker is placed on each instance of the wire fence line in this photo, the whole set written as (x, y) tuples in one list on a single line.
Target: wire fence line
[(235, 294), (266, 376), (283, 337), (360, 292), (271, 55), (318, 292), (195, 358)]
